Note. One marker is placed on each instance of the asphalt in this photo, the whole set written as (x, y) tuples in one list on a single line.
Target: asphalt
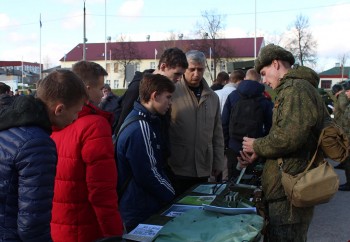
[(331, 221)]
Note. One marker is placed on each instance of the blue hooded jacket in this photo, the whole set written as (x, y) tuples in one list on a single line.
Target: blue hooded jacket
[(246, 88), (139, 157), (27, 170)]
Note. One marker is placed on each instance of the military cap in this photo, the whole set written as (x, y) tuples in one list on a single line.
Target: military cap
[(346, 85), (336, 88), (272, 52)]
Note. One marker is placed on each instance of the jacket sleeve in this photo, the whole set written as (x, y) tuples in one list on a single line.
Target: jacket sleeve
[(101, 176), (143, 158), (36, 175), (218, 141), (295, 114)]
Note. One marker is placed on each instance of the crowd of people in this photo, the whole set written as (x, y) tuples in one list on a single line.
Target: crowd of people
[(80, 164)]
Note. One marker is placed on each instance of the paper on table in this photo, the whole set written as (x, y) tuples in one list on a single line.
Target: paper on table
[(143, 232)]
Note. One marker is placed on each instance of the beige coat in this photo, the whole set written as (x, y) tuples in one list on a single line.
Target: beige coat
[(196, 138)]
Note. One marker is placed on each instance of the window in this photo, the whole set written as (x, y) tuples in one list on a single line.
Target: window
[(108, 82), (115, 67), (137, 67), (153, 65), (115, 84), (108, 67), (222, 66), (326, 84)]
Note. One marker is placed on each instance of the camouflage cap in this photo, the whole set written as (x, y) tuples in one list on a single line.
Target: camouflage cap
[(272, 52)]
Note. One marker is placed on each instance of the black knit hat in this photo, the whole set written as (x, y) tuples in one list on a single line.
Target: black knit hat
[(272, 52)]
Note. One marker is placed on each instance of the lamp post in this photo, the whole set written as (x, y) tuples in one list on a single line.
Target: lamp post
[(84, 37)]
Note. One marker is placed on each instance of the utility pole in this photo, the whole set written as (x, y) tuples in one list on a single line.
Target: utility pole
[(84, 40)]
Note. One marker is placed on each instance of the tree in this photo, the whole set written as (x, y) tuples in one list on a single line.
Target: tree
[(210, 33), (301, 43), (125, 53)]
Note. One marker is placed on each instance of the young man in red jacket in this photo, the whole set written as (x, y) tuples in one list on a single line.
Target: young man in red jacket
[(85, 204)]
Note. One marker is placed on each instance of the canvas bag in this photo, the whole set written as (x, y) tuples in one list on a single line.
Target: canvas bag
[(312, 186), (334, 143)]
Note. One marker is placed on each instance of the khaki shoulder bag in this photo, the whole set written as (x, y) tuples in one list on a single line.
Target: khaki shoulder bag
[(312, 186)]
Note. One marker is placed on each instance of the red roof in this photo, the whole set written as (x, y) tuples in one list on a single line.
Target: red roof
[(231, 48)]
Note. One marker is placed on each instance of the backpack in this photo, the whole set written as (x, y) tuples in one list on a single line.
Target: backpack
[(246, 118), (117, 112)]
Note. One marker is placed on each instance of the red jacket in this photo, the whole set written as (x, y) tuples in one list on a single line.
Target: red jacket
[(85, 203)]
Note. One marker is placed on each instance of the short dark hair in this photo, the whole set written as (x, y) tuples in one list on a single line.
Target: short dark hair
[(4, 88), (61, 86), (89, 72), (154, 83), (173, 57), (336, 88), (237, 75), (222, 77)]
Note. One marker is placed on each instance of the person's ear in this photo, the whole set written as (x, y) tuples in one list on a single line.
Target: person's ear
[(59, 109), (162, 66), (153, 95)]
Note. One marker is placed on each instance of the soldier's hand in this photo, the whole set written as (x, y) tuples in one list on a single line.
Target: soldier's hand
[(246, 158), (248, 144)]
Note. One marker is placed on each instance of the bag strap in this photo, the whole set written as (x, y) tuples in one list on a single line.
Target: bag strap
[(124, 125), (280, 161)]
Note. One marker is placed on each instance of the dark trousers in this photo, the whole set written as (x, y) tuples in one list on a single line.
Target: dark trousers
[(347, 170), (288, 233), (181, 183), (232, 172)]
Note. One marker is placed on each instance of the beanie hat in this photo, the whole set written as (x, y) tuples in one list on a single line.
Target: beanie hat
[(272, 52)]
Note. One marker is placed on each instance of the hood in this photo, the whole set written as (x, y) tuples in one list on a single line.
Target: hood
[(138, 75), (250, 88), (89, 109), (303, 72), (24, 111), (5, 99)]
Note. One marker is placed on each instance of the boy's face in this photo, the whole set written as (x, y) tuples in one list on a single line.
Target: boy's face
[(95, 92), (347, 92), (162, 102), (63, 116), (174, 74)]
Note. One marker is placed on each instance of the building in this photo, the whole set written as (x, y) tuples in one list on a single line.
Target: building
[(122, 59), (15, 73), (334, 75)]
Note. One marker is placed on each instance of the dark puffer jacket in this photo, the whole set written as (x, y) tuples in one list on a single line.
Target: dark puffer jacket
[(27, 170)]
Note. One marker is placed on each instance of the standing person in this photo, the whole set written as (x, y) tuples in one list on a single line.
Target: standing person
[(145, 186), (172, 64), (85, 204), (5, 96), (343, 121), (240, 118), (233, 80), (197, 145), (221, 80), (298, 117), (28, 155), (109, 100)]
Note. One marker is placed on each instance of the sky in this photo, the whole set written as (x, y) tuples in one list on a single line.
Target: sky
[(62, 24)]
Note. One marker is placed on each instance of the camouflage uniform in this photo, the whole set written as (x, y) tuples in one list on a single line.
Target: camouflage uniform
[(344, 122), (339, 107), (297, 121)]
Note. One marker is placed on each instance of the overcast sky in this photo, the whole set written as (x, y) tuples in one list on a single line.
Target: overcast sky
[(62, 23)]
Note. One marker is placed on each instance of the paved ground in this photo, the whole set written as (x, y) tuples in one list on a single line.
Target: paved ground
[(331, 221)]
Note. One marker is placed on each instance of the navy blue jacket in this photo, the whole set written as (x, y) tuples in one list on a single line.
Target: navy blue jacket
[(249, 89), (27, 171), (139, 156)]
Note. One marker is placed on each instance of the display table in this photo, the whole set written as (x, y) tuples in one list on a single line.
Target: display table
[(190, 219)]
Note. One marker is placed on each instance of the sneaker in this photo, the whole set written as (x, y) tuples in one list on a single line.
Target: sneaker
[(344, 187)]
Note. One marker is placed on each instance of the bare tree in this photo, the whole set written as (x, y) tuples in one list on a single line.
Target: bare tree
[(209, 31), (302, 44), (125, 53)]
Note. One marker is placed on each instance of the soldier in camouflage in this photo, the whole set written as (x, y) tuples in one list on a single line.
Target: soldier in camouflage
[(345, 124), (340, 104), (298, 117)]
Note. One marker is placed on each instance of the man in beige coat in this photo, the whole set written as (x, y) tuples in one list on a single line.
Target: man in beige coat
[(196, 138)]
